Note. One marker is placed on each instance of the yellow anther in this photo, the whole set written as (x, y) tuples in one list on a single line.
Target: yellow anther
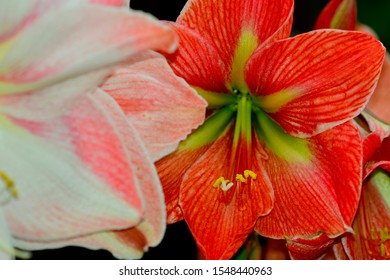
[(218, 182), (9, 184), (241, 178), (223, 184), (247, 174), (250, 173)]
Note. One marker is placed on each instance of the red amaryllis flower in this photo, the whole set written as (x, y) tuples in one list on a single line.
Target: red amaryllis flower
[(277, 152)]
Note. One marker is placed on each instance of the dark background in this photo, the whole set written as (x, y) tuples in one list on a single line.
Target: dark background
[(178, 242)]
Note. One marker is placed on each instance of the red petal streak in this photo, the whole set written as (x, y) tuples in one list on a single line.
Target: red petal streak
[(332, 74), (171, 170), (339, 14), (222, 22), (197, 61), (309, 248), (221, 221), (319, 196)]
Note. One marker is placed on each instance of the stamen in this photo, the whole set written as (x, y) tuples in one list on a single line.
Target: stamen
[(218, 182), (247, 174), (241, 178), (225, 185), (9, 184), (250, 173)]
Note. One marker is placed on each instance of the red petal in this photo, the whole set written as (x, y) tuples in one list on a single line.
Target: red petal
[(339, 252), (329, 75), (340, 14), (380, 158), (221, 221), (221, 23), (171, 170), (370, 145), (372, 220), (197, 61), (309, 248), (316, 196)]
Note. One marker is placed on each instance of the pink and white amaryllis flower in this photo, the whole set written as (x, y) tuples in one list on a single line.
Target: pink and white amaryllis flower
[(277, 153), (70, 161)]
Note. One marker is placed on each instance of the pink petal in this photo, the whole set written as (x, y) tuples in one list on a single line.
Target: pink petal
[(161, 106), (5, 238), (320, 195), (325, 78), (74, 52), (153, 221), (82, 164), (112, 2), (124, 244)]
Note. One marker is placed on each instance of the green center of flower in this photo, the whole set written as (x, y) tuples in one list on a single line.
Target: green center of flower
[(247, 117)]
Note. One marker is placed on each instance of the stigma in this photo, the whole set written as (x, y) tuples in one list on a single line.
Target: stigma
[(225, 185)]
